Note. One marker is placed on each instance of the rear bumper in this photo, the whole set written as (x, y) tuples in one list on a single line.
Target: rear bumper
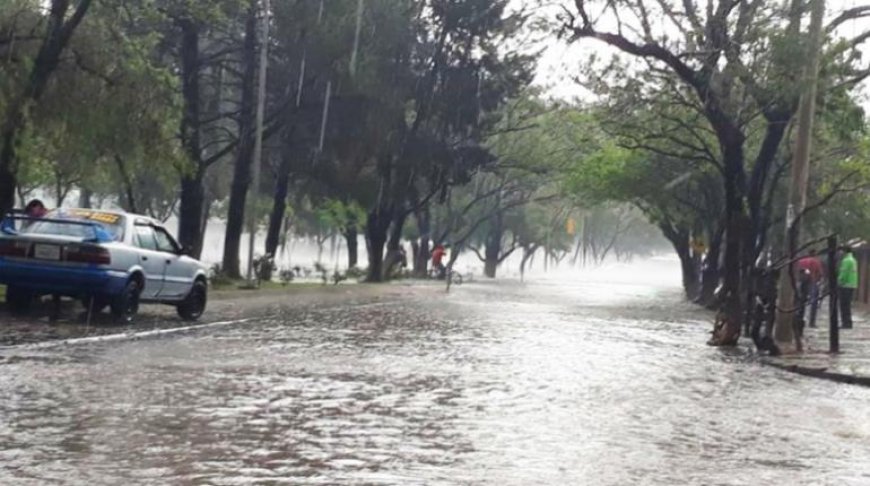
[(45, 278)]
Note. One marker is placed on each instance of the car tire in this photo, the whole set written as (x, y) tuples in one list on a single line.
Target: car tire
[(193, 306), (18, 300), (125, 305)]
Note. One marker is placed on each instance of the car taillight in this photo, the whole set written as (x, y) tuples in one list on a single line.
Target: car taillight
[(12, 248), (96, 255)]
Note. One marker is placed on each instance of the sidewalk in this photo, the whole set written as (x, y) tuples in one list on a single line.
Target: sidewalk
[(851, 365)]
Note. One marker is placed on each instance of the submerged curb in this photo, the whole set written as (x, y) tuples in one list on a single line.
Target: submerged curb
[(822, 373), (122, 336), (144, 334)]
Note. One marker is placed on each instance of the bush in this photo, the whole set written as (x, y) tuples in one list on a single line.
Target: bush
[(324, 273), (287, 276), (264, 265), (217, 277), (356, 273)]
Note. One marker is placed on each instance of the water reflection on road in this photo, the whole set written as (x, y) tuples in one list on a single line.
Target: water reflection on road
[(550, 383)]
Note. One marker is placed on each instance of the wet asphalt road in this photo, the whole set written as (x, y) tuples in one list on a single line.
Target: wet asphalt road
[(596, 382)]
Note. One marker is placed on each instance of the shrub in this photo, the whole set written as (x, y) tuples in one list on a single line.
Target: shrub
[(324, 273), (264, 265), (356, 273), (217, 276), (286, 276)]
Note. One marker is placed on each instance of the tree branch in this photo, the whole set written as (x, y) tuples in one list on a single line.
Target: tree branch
[(837, 188), (847, 15), (477, 252)]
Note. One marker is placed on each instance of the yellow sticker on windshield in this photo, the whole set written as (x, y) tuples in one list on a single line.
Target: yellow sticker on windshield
[(98, 216)]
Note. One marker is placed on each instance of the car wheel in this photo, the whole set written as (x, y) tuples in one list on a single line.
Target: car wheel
[(125, 305), (193, 306), (18, 300)]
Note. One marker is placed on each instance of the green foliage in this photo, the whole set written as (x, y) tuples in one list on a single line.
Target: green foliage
[(672, 126), (108, 100), (340, 216)]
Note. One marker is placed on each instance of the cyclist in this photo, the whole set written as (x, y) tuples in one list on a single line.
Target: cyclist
[(438, 261)]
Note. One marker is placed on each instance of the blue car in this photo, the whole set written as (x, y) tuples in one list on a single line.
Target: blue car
[(104, 258)]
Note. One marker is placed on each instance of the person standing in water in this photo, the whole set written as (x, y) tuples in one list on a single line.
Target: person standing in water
[(812, 268), (847, 280)]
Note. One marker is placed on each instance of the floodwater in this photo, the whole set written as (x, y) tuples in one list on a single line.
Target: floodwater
[(601, 381)]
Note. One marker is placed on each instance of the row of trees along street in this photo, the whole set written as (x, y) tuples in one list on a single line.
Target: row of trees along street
[(418, 121)]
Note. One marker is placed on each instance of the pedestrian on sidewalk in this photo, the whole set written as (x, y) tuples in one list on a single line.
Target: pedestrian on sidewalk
[(847, 280), (812, 267)]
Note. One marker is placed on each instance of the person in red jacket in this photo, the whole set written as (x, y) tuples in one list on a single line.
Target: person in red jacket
[(812, 268), (438, 260)]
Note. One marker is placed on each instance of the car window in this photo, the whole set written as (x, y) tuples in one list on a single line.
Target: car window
[(145, 238), (111, 222), (165, 243)]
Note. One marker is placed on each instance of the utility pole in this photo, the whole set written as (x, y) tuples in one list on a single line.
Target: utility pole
[(253, 189), (797, 194)]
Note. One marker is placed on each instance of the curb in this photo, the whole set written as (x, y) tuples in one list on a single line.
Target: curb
[(821, 373), (144, 334)]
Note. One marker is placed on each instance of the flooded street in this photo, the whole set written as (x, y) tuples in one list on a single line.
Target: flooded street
[(553, 382)]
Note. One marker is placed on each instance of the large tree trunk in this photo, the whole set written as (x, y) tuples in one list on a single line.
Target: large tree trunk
[(242, 166), (492, 247), (279, 207), (727, 329), (490, 266), (689, 269), (350, 237), (394, 243), (190, 211), (206, 216), (85, 198), (756, 233), (711, 275), (678, 236), (422, 254), (8, 179), (282, 189), (128, 199), (377, 226)]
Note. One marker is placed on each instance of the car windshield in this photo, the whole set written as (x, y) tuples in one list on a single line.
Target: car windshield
[(111, 222)]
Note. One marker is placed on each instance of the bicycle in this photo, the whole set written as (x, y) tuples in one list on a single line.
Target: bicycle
[(455, 278)]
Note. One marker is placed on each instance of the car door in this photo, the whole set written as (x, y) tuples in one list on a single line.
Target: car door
[(179, 272), (151, 260)]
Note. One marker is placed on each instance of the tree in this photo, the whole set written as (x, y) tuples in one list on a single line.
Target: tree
[(125, 140), (27, 89), (456, 75), (244, 150), (736, 52)]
